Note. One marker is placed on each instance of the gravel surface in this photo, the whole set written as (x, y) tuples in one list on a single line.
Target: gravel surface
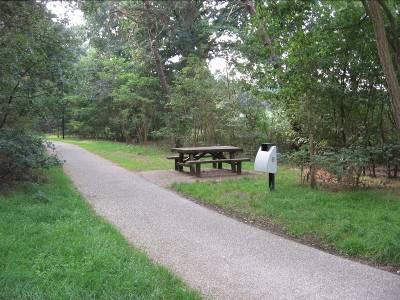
[(165, 178), (221, 257)]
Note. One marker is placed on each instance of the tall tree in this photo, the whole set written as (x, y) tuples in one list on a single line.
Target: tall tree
[(33, 48), (150, 24), (374, 9)]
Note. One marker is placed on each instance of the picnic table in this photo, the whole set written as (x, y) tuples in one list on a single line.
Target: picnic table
[(192, 157)]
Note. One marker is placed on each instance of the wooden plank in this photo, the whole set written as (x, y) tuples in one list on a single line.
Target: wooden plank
[(209, 149), (198, 170), (192, 167), (239, 168), (181, 158), (232, 155), (227, 160)]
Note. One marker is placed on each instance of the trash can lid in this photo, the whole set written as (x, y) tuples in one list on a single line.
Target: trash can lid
[(266, 146)]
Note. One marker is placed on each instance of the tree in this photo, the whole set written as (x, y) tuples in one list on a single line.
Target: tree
[(374, 9), (32, 50)]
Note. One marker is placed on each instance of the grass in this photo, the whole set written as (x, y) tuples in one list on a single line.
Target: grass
[(54, 247), (131, 157), (363, 223)]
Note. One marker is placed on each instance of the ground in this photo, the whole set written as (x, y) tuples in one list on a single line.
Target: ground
[(53, 246), (362, 224), (215, 254)]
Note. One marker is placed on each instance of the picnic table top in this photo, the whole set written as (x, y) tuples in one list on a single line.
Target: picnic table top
[(208, 149)]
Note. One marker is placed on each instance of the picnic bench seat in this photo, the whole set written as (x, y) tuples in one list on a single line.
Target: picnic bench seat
[(236, 164), (176, 158)]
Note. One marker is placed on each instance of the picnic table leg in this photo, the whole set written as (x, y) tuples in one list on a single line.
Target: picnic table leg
[(192, 170), (197, 170), (214, 164), (220, 155), (233, 164), (181, 156), (176, 164), (239, 168)]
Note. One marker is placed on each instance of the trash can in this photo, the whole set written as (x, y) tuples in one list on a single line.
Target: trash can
[(266, 161)]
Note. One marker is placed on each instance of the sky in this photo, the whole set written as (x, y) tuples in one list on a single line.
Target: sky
[(74, 16), (66, 10)]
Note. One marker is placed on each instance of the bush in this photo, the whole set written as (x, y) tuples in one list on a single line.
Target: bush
[(344, 165), (301, 160), (347, 164), (22, 156)]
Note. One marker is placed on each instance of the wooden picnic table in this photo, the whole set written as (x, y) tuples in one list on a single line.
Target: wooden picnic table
[(191, 157)]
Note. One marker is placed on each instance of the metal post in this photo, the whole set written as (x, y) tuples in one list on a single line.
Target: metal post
[(271, 181)]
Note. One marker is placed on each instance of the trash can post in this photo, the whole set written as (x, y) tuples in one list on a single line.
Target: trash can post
[(271, 181)]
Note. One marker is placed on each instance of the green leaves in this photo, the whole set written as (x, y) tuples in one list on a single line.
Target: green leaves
[(33, 50), (22, 155)]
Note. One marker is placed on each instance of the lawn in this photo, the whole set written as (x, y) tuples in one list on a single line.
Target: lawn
[(363, 223), (53, 246), (131, 157)]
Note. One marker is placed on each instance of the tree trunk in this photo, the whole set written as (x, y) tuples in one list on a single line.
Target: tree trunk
[(63, 124), (266, 39), (311, 149), (10, 100), (264, 36), (313, 180), (374, 11), (154, 50)]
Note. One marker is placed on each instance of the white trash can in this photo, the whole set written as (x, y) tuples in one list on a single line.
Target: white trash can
[(266, 161)]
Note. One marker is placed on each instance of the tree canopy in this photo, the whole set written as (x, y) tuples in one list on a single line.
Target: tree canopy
[(311, 76)]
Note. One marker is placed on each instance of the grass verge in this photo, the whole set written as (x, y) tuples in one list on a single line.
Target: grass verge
[(131, 157), (53, 246), (363, 223)]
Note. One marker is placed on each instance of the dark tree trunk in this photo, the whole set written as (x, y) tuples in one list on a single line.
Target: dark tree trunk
[(374, 11), (266, 39), (154, 50), (10, 100), (63, 124)]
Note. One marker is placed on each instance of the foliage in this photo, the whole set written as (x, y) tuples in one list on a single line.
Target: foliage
[(347, 164), (301, 160), (34, 50), (302, 74), (22, 155), (114, 98), (35, 53), (196, 106)]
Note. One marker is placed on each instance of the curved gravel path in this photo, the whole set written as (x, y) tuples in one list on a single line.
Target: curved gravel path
[(219, 256)]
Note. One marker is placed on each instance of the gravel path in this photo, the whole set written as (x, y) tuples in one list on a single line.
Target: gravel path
[(219, 256)]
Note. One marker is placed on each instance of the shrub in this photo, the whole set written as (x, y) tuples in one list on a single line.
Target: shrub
[(22, 156), (301, 160), (347, 164)]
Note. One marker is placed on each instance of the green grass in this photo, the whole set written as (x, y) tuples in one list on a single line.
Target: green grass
[(362, 223), (54, 247), (132, 157)]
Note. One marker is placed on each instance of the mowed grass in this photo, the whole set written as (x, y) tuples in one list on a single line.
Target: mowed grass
[(363, 223), (52, 246), (132, 157)]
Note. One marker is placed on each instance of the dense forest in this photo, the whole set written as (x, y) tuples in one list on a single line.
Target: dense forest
[(321, 79)]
